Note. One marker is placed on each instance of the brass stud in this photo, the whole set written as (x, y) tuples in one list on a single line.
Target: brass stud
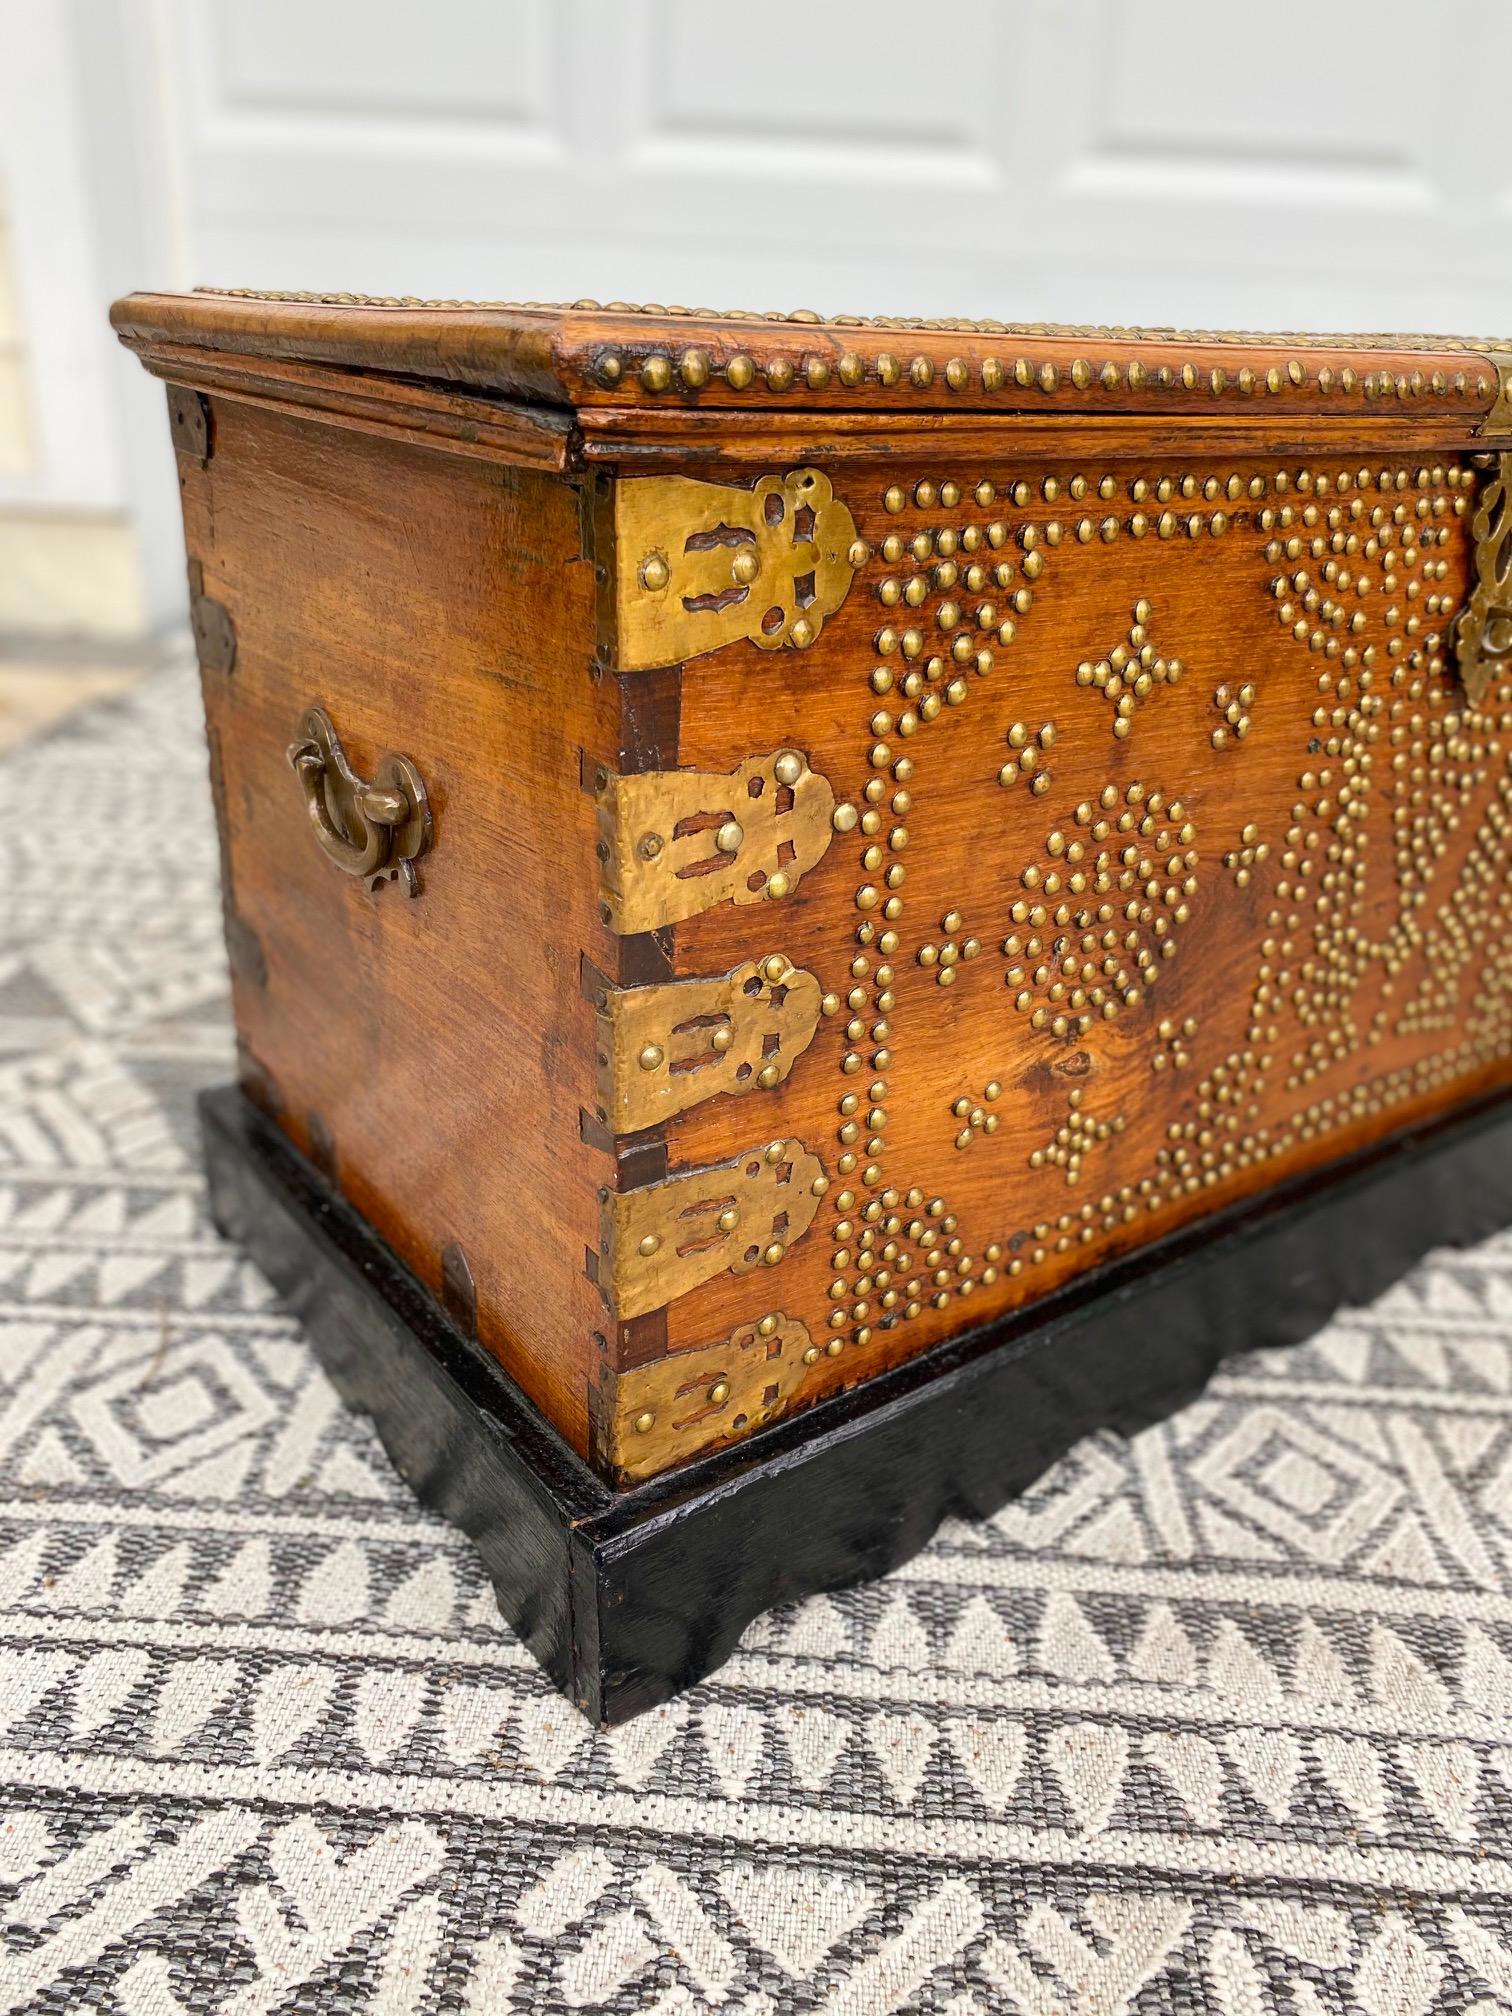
[(739, 372), (789, 767), (644, 1423), (651, 1057), (656, 374), (719, 1392), (730, 837), (693, 368), (655, 573)]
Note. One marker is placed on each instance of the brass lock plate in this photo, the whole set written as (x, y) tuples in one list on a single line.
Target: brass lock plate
[(672, 1409), (673, 843), (663, 1049), (1483, 629), (701, 565), (1497, 425), (660, 1240)]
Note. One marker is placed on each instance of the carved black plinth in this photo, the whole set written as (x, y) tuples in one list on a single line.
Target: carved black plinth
[(625, 1598)]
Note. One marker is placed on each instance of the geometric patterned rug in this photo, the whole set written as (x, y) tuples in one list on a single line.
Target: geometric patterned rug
[(1218, 1719)]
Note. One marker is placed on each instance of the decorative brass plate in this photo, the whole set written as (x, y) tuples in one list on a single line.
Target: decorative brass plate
[(376, 831), (1497, 424), (700, 565), (675, 842), (693, 1399), (1483, 632), (658, 1241), (664, 1049)]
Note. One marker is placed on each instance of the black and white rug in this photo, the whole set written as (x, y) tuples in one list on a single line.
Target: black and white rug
[(1216, 1720)]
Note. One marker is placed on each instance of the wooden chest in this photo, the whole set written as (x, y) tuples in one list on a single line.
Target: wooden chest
[(758, 848)]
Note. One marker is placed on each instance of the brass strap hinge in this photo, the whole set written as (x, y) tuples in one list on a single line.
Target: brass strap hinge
[(661, 1239), (663, 1049), (1483, 629), (701, 565), (665, 1412), (675, 842)]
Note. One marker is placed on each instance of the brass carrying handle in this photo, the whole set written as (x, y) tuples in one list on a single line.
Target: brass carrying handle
[(376, 830)]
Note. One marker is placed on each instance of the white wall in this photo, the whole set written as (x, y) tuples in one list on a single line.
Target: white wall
[(87, 514), (1126, 160)]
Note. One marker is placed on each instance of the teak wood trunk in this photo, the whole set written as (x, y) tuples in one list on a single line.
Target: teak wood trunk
[(757, 848)]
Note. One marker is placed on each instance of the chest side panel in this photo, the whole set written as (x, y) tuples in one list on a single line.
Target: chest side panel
[(431, 1053), (1169, 860)]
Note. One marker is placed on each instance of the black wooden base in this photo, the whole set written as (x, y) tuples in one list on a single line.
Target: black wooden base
[(627, 1597)]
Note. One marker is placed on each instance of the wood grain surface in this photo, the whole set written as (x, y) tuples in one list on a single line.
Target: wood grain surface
[(441, 607)]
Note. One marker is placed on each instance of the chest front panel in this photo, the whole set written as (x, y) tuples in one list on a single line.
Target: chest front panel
[(1169, 860)]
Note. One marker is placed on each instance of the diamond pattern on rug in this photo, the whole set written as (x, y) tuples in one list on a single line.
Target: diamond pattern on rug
[(1216, 1720)]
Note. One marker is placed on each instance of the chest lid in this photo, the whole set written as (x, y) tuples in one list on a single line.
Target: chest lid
[(592, 358)]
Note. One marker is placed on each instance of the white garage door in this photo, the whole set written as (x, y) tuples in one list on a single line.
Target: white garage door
[(1334, 165)]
